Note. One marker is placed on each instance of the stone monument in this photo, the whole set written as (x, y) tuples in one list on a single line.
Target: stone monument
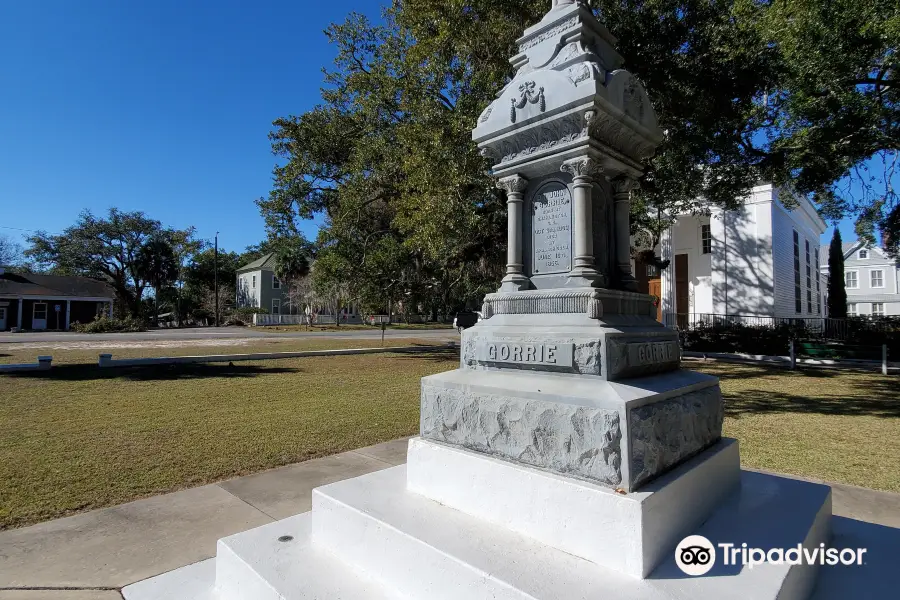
[(569, 454)]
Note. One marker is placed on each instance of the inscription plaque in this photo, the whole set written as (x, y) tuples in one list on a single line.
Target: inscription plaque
[(551, 229), (640, 358), (525, 353)]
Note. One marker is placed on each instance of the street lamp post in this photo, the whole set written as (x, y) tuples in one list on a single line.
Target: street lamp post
[(216, 275)]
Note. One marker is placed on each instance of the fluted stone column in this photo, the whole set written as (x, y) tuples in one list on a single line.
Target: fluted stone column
[(515, 279), (622, 187), (584, 171)]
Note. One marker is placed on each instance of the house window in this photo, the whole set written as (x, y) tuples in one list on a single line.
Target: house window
[(276, 306), (876, 278), (863, 254), (850, 281), (276, 283), (852, 310), (253, 284), (878, 309), (798, 297), (818, 285), (706, 239), (808, 280)]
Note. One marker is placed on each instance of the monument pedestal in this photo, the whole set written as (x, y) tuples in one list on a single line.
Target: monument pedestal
[(458, 525)]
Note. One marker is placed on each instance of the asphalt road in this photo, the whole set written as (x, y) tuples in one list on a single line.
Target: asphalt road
[(207, 333)]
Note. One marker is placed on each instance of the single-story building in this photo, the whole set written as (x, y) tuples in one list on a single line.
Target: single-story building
[(36, 302)]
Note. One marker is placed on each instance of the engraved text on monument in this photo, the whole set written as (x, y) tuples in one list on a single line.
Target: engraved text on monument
[(552, 229)]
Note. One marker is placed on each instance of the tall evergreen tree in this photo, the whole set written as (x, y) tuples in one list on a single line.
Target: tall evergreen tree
[(837, 295)]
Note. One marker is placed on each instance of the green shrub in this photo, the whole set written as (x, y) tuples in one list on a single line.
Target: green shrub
[(104, 324)]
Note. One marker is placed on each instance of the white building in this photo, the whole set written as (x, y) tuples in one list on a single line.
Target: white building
[(870, 278), (759, 260)]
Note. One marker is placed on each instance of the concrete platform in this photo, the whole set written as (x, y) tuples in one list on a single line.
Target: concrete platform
[(397, 544)]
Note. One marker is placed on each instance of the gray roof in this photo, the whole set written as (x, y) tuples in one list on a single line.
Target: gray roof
[(28, 284), (263, 263)]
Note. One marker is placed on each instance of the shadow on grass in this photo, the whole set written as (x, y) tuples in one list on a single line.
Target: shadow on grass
[(152, 372), (442, 354), (875, 396)]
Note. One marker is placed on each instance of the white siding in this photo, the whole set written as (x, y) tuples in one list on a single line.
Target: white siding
[(742, 247), (687, 240), (809, 230)]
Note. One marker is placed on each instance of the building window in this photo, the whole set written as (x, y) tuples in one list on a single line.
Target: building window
[(852, 310), (798, 297), (863, 254), (706, 239), (878, 309), (253, 284), (876, 278), (818, 285), (276, 306), (276, 283), (652, 271), (850, 281)]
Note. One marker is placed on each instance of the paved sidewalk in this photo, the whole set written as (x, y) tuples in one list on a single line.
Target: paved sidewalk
[(92, 555)]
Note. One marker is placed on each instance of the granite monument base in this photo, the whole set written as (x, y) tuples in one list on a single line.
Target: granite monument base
[(375, 537), (619, 434)]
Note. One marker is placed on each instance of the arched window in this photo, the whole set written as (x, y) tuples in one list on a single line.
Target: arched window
[(863, 253)]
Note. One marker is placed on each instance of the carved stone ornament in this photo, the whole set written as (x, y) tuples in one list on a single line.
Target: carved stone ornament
[(527, 95), (569, 129), (582, 167), (624, 186), (550, 33), (514, 184)]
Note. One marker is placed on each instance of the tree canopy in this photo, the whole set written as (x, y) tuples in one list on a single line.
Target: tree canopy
[(798, 92), (837, 293), (108, 248)]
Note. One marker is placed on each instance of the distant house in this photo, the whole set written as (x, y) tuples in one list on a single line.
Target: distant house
[(258, 287), (870, 278), (760, 260), (38, 302)]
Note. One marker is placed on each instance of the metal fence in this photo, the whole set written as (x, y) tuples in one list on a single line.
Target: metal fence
[(813, 327)]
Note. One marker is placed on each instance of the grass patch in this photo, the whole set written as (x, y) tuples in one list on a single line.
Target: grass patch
[(840, 426), (78, 437)]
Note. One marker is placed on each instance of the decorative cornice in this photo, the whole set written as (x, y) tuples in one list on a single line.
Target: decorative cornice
[(514, 184), (583, 167)]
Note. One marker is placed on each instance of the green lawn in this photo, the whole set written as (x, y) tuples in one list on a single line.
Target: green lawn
[(78, 437)]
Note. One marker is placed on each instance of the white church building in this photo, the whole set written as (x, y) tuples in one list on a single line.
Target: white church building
[(760, 260)]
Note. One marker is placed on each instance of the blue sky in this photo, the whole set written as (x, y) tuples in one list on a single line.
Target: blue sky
[(160, 106)]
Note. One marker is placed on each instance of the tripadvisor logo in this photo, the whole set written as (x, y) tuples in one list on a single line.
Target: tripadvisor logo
[(695, 555)]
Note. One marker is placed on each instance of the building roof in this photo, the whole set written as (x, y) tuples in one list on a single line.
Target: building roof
[(28, 284), (264, 263)]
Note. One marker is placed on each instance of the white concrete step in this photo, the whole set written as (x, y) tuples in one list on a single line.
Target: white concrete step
[(423, 549), (255, 565)]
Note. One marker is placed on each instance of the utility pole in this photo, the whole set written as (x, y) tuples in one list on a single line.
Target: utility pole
[(216, 275)]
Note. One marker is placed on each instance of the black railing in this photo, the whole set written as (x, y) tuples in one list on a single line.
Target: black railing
[(772, 335)]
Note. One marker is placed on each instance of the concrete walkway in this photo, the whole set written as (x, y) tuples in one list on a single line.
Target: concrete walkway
[(93, 555)]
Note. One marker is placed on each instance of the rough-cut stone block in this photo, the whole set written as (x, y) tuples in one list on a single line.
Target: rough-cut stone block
[(611, 433), (663, 433), (575, 440)]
